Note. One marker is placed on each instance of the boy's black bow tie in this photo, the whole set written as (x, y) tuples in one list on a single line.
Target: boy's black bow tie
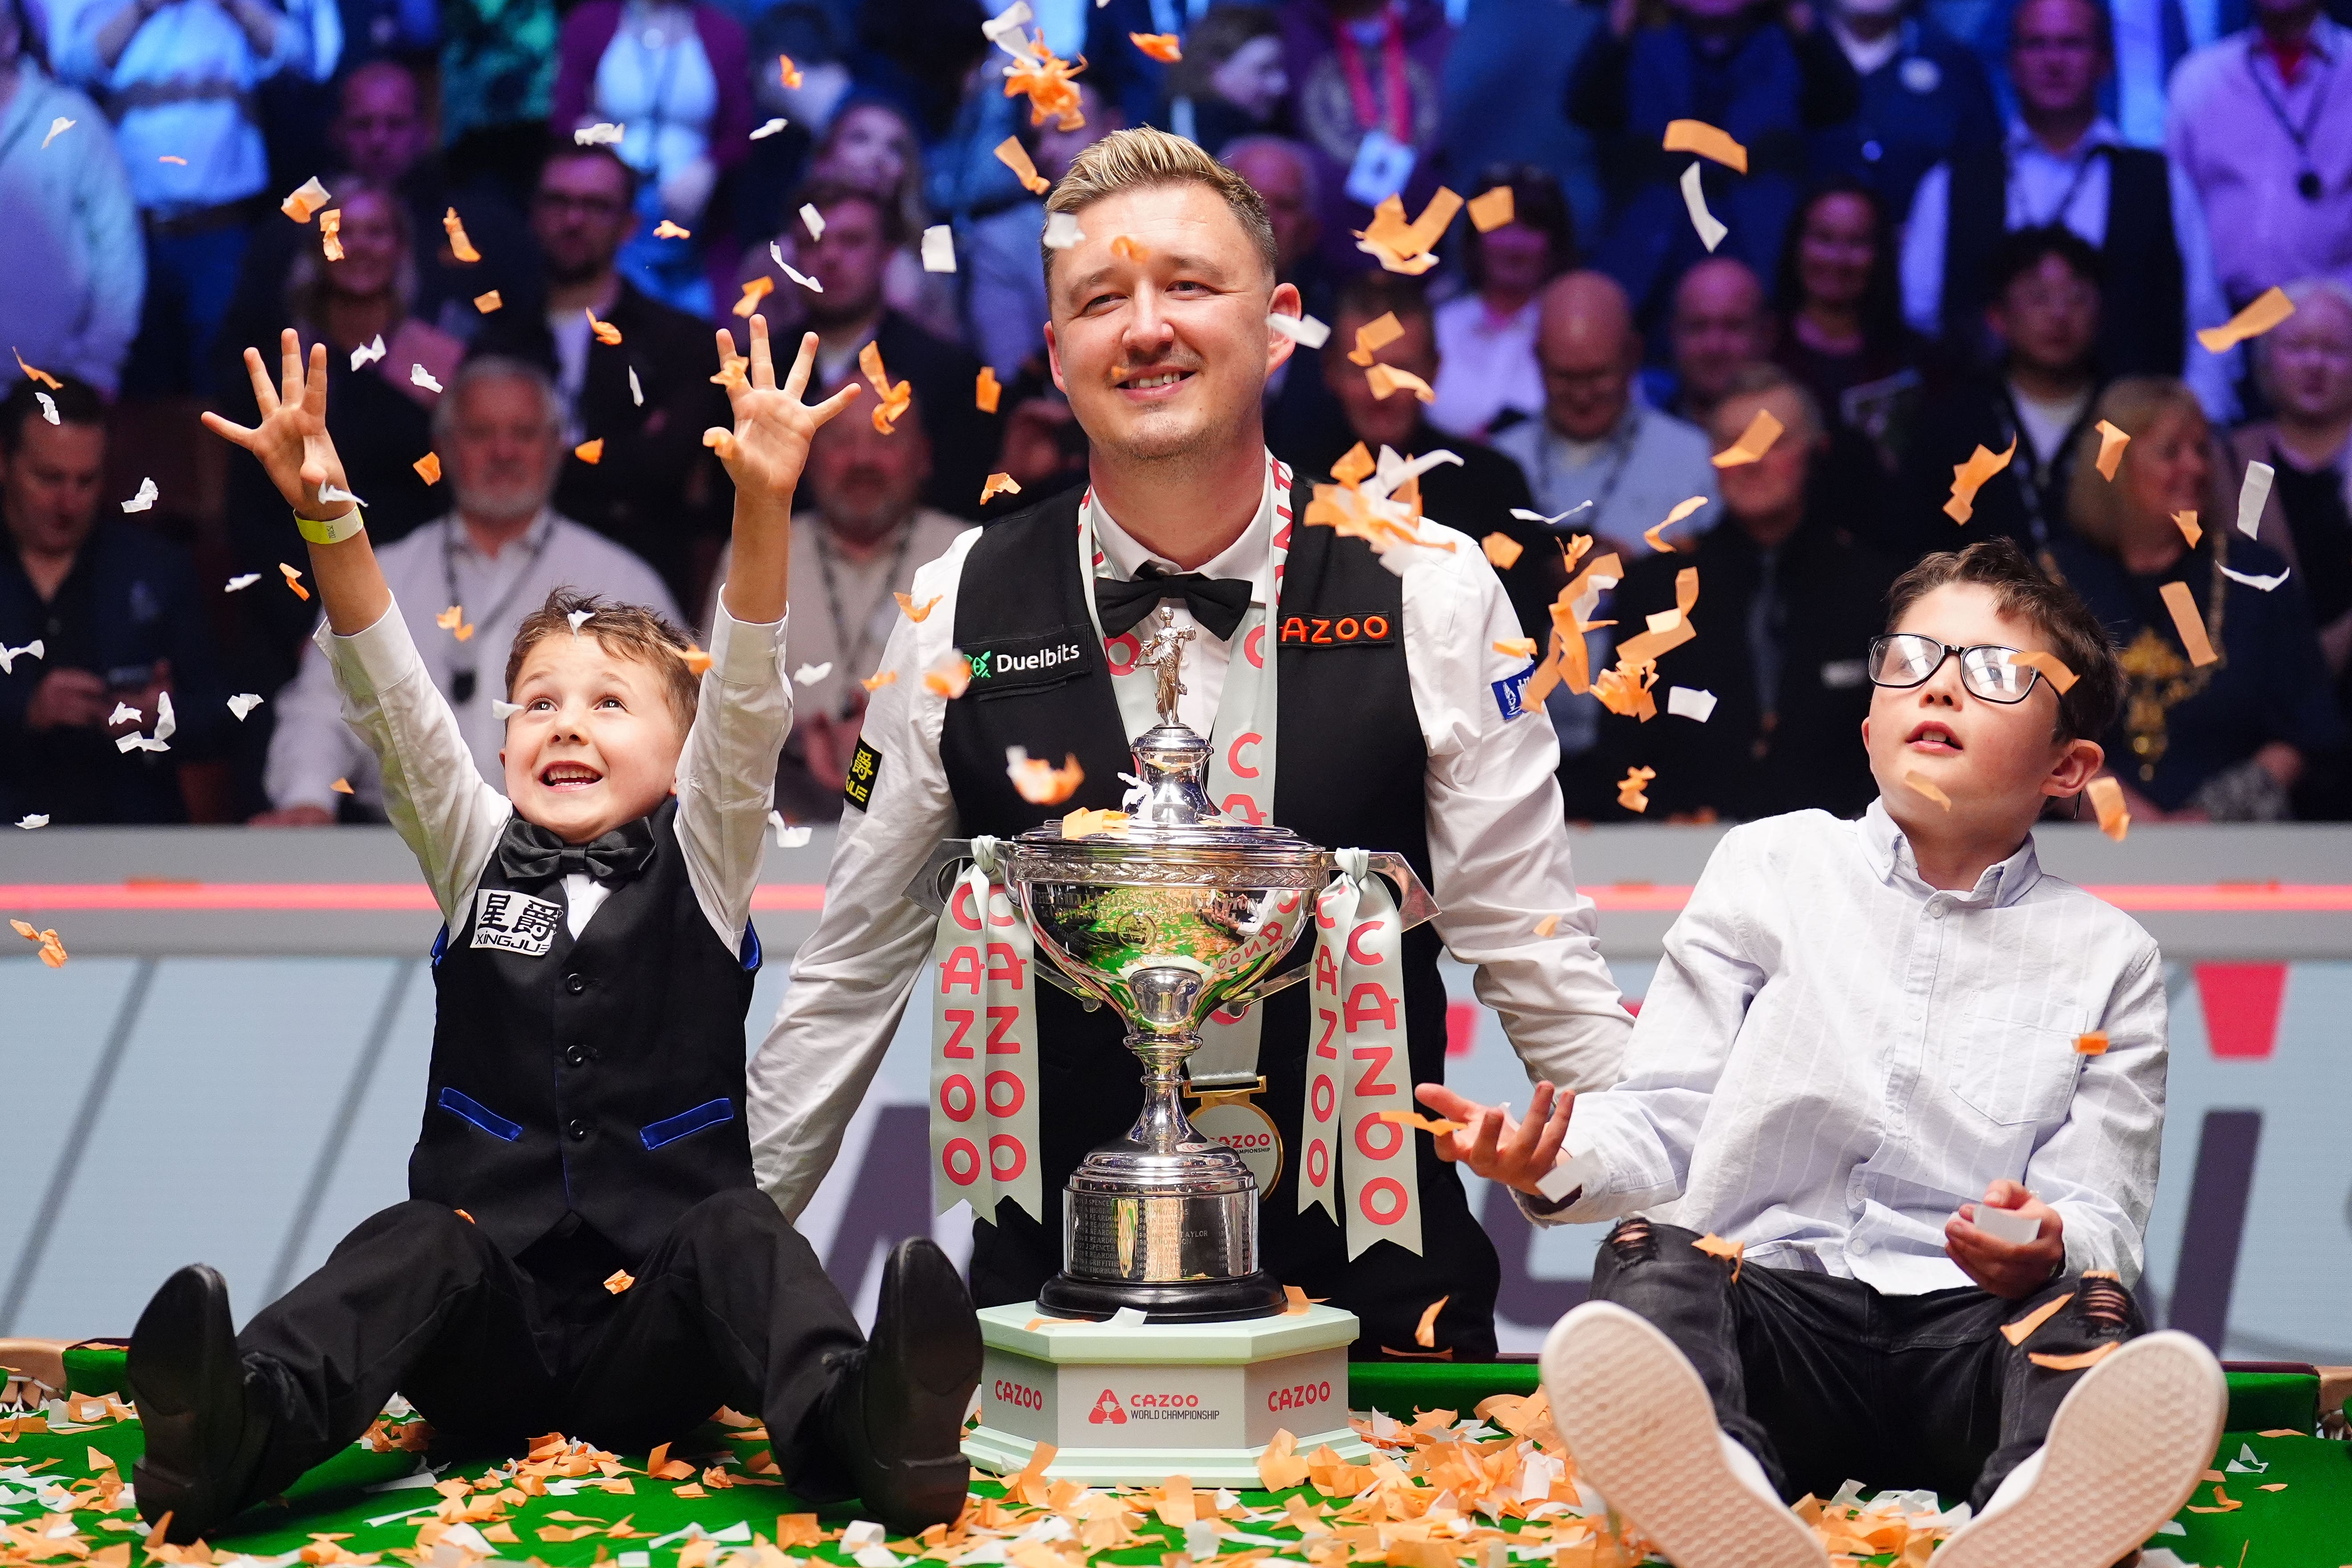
[(529, 853), (1217, 603)]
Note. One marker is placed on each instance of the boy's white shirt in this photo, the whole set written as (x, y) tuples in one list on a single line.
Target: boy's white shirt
[(451, 818), (1835, 1057)]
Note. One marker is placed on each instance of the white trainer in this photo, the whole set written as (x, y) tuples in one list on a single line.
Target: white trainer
[(1639, 1421), (2124, 1452)]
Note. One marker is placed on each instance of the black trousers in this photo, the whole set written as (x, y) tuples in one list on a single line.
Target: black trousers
[(1824, 1379), (732, 1307)]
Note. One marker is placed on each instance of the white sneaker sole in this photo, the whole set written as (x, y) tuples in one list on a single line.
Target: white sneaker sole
[(2124, 1451), (1643, 1429)]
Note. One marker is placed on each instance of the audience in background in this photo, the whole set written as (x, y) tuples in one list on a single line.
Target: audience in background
[(2065, 163), (1505, 80), (1229, 82), (861, 533), (496, 82), (1487, 335), (871, 147), (1925, 100), (1299, 413), (1842, 336), (495, 557), (1722, 324), (650, 486), (77, 271), (121, 623), (2261, 124), (1365, 102), (2304, 367), (1000, 251), (1788, 603), (2229, 741)]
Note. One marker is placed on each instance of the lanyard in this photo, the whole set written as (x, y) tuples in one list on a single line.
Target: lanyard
[(851, 655), (461, 677), (1359, 87), (2057, 215), (1620, 451), (2306, 182)]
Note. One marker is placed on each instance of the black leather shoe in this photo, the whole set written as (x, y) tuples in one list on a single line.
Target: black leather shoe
[(895, 1412), (203, 1437)]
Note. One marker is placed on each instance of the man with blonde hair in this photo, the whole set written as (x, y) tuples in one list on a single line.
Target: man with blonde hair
[(1413, 738)]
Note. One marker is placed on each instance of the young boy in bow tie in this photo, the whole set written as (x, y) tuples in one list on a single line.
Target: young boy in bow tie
[(1884, 1143), (584, 1250)]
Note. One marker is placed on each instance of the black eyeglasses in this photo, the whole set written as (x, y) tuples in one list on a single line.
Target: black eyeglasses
[(1905, 659)]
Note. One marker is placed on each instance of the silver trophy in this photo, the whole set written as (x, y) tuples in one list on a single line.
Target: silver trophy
[(1173, 915)]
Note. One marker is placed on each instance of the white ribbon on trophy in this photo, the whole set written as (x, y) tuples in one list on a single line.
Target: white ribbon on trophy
[(1357, 1066), (984, 1047)]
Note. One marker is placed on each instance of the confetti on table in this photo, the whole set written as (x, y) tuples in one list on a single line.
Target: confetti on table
[(305, 200), (1753, 443), (294, 581), (789, 836), (999, 485), (2268, 309), (8, 656), (1502, 550), (1424, 1333), (1927, 786), (590, 452), (2187, 522), (330, 234), (939, 249), (241, 582), (32, 820), (601, 134), (578, 618), (1016, 157), (1161, 46), (167, 723), (1408, 247), (2112, 442), (1711, 229), (1039, 782), (1697, 136), (2052, 667), (950, 677), (343, 786), (770, 128), (53, 951), (145, 499), (429, 467), (1682, 508), (1492, 210), (31, 372), (987, 390), (489, 301), (787, 73), (243, 703), (1303, 330), (2253, 494), (1630, 788), (2187, 623), (1690, 703), (1386, 380), (810, 674), (665, 229), (459, 246), (2091, 1044), (1062, 231), (605, 332), (619, 1280), (368, 353), (2107, 800), (918, 613), (48, 408), (1969, 478), (420, 376)]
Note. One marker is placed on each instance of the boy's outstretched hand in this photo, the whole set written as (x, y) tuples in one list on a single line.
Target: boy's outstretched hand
[(291, 439), (2012, 1270), (765, 454), (1517, 1153)]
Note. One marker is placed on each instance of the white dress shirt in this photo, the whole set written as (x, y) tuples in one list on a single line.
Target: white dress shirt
[(1498, 852), (451, 818), (311, 747), (1484, 366), (2041, 184), (1835, 1057)]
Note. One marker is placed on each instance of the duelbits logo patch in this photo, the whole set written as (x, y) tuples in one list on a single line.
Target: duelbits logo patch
[(1043, 659)]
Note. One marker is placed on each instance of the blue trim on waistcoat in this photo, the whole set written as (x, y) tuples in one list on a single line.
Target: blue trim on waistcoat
[(440, 943), (750, 951), (480, 1115), (709, 1113)]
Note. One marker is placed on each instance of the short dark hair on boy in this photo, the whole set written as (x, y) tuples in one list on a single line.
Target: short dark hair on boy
[(78, 404), (2085, 710), (630, 631), (2022, 251)]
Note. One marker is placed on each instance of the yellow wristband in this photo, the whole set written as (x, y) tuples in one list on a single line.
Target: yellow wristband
[(333, 531)]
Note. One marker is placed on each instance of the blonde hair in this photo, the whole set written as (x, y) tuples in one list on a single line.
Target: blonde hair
[(2094, 508), (1133, 160)]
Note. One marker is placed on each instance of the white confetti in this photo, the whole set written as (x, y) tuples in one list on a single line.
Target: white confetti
[(603, 134), (815, 219), (776, 253), (2265, 583), (860, 1533), (2253, 496), (144, 499), (1690, 703), (166, 724), (32, 820), (1304, 331), (810, 674), (939, 249), (8, 655), (2007, 1225), (57, 128), (502, 710), (637, 393), (1004, 30), (1062, 231), (578, 618), (337, 492), (48, 408), (238, 584), (1710, 229), (123, 712), (243, 703), (789, 836), (368, 353), (420, 376), (770, 128), (1523, 515)]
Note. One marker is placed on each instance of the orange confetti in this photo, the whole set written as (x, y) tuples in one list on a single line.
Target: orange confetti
[(787, 73), (1280, 1467), (1732, 1252), (2107, 799), (2017, 1332), (2186, 622), (895, 399), (1424, 1334), (294, 581), (1407, 247), (330, 228), (2076, 1363), (2112, 442), (669, 230), (44, 377), (1969, 477), (1548, 926), (914, 613), (1753, 443), (489, 301), (1630, 788), (590, 452), (2053, 669), (1039, 782), (1125, 249), (755, 291), (731, 367), (53, 950), (459, 246), (2093, 1044), (1045, 79), (698, 662), (607, 333), (1927, 786), (2187, 522), (1697, 136), (1516, 647), (1668, 629), (1087, 824), (879, 680), (619, 1280), (1493, 209), (1374, 336), (305, 200), (948, 676), (986, 394), (1387, 379), (1502, 550), (1016, 157), (173, 158), (2268, 309), (448, 619), (1435, 1128), (1652, 537), (1160, 46), (999, 485), (429, 467), (343, 787)]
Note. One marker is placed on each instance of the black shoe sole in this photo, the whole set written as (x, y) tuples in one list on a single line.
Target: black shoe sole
[(927, 1350), (189, 1384)]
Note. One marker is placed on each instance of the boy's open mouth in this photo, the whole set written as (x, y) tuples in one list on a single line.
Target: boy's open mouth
[(1934, 737), (569, 775)]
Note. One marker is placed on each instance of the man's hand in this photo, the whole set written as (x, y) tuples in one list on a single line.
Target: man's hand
[(2008, 1269), (68, 700), (1517, 1153), (291, 439)]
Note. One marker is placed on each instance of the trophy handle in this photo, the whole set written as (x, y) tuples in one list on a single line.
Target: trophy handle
[(1415, 905), (929, 889)]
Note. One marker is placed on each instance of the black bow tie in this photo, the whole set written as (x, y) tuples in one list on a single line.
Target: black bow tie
[(529, 853), (1217, 603)]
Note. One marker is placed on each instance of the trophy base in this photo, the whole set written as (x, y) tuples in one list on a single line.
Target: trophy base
[(1257, 1295)]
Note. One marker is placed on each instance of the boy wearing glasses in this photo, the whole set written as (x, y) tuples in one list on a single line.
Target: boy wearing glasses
[(1885, 1145)]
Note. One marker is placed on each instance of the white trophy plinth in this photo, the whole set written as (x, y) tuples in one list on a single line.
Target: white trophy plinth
[(1133, 1404)]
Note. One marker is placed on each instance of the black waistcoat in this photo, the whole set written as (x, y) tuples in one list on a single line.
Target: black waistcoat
[(2142, 325), (1350, 763), (602, 1077)]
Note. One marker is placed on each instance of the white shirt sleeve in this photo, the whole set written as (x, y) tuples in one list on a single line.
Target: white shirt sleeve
[(2212, 377), (1498, 840), (2098, 1169), (310, 746), (1922, 265), (726, 773), (446, 812), (852, 977)]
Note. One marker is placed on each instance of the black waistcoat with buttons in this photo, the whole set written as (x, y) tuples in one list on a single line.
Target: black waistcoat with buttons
[(602, 1075), (1349, 772)]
